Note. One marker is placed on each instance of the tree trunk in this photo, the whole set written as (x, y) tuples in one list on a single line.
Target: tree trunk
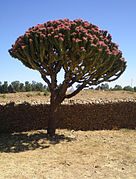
[(55, 101), (52, 119)]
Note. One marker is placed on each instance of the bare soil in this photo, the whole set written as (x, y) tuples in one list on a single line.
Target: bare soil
[(105, 154), (70, 154)]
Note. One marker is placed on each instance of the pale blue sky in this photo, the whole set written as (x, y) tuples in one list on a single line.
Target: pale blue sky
[(116, 16)]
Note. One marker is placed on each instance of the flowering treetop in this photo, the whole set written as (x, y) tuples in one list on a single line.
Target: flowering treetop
[(87, 54)]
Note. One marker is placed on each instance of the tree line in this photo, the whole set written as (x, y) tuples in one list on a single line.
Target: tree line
[(105, 87), (16, 86), (115, 88)]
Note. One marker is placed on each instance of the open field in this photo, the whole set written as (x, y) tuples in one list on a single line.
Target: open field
[(70, 154), (84, 96), (101, 154)]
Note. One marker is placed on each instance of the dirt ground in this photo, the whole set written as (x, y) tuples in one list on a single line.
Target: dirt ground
[(69, 155), (84, 96)]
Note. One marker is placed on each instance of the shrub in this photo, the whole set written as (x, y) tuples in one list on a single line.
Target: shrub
[(29, 95), (38, 94), (3, 96), (46, 93)]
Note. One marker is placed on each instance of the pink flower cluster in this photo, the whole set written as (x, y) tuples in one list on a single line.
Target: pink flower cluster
[(61, 38), (124, 60), (76, 40), (78, 31), (83, 49)]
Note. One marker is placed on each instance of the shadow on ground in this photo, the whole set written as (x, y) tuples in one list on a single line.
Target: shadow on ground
[(19, 142)]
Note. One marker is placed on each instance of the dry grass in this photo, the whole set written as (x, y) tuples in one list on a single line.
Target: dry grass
[(84, 95), (70, 154)]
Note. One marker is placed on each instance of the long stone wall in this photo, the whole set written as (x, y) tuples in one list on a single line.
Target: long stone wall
[(23, 117)]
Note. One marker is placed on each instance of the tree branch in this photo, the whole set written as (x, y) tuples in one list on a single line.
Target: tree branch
[(46, 80), (76, 91)]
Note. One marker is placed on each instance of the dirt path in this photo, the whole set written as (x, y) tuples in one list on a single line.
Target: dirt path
[(70, 155)]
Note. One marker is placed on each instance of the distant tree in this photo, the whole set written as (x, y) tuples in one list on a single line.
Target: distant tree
[(105, 86), (102, 87), (85, 53), (22, 87), (45, 88), (135, 88), (28, 86), (10, 89), (16, 86), (33, 85), (39, 87), (117, 87), (5, 87), (128, 88)]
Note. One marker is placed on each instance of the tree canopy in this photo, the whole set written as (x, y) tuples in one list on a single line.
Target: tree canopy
[(87, 54)]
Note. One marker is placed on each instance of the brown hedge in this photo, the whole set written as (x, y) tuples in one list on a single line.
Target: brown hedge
[(23, 117)]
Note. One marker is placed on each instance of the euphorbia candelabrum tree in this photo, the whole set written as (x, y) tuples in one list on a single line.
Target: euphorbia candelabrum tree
[(86, 54)]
